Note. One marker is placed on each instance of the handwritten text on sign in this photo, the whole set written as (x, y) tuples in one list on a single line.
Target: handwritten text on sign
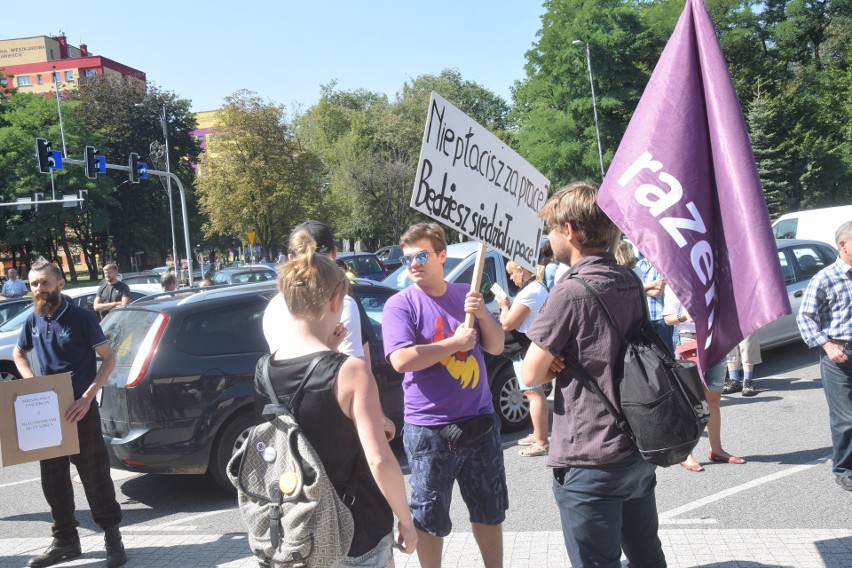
[(38, 421), (469, 180)]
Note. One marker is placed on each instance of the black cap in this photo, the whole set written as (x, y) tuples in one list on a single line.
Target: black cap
[(321, 233)]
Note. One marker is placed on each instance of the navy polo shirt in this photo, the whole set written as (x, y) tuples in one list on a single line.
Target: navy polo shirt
[(65, 342)]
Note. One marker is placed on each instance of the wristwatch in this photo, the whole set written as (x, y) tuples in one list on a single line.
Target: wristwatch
[(680, 317)]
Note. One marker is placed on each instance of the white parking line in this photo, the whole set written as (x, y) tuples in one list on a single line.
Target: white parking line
[(183, 520), (20, 482), (667, 516)]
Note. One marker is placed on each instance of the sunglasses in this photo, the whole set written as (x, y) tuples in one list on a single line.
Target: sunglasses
[(421, 258)]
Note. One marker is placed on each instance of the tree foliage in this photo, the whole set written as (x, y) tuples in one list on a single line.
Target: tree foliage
[(257, 175)]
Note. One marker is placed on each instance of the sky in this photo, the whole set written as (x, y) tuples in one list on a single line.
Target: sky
[(284, 50)]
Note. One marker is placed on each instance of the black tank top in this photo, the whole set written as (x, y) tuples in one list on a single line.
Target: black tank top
[(333, 436)]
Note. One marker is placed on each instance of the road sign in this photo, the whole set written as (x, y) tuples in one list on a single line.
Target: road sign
[(251, 235)]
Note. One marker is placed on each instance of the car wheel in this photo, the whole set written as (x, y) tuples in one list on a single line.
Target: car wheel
[(9, 372), (230, 439), (511, 405)]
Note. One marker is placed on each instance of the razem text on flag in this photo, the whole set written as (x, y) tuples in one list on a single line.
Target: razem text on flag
[(683, 186), (470, 181)]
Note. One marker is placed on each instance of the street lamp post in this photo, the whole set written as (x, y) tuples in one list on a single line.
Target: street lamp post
[(594, 101), (175, 256)]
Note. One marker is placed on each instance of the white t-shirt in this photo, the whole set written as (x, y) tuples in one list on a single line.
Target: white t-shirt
[(673, 307), (532, 296), (561, 271), (278, 325)]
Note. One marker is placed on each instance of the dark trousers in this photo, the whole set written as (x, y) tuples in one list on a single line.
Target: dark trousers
[(665, 331), (92, 464), (606, 509), (837, 383)]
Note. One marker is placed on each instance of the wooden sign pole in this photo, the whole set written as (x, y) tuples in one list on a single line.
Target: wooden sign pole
[(476, 279)]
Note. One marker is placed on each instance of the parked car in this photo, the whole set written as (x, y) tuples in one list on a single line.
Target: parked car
[(141, 278), (390, 257), (365, 264), (11, 308), (244, 275), (181, 396), (11, 329), (815, 224), (800, 260)]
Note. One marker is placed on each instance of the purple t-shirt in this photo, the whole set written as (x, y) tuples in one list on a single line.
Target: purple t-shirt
[(452, 390)]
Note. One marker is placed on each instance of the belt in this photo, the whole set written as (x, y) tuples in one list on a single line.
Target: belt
[(688, 334), (841, 343)]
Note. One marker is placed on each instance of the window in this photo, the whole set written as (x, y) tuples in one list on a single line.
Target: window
[(489, 275), (786, 269), (24, 80), (786, 229), (91, 72), (809, 259), (373, 302), (225, 330), (69, 75), (39, 79)]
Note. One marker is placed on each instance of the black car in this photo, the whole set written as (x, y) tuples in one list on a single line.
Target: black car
[(181, 396)]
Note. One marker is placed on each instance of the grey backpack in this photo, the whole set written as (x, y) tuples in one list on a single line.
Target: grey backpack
[(291, 510)]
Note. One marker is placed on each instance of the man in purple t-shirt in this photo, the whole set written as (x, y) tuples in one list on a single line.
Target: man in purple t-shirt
[(445, 383)]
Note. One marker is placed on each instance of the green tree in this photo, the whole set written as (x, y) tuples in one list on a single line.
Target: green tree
[(123, 116), (771, 165), (258, 176)]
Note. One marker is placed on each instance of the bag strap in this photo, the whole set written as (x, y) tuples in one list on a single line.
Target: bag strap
[(589, 381), (276, 407)]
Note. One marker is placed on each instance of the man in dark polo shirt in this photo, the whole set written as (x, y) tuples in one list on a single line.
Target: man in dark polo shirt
[(65, 338), (603, 488), (112, 292)]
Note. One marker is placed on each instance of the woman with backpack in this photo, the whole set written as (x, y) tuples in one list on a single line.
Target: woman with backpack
[(516, 317), (339, 412)]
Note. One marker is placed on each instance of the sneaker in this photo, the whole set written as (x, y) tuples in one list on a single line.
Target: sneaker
[(748, 388), (116, 556), (732, 386), (57, 552), (844, 482)]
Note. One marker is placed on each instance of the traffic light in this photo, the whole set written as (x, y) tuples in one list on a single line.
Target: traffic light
[(94, 164), (36, 198), (134, 168), (83, 194), (47, 159), (138, 170)]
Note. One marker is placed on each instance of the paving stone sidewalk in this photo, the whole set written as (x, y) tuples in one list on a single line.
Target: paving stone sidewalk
[(689, 547)]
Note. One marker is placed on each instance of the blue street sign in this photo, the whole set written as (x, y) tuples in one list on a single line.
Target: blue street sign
[(143, 170), (56, 156), (101, 161)]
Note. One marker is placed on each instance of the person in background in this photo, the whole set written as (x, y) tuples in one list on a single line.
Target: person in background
[(655, 291), (315, 288), (516, 316), (276, 319), (624, 254), (205, 283), (743, 358), (446, 388), (112, 292), (67, 338), (169, 282), (13, 287), (603, 488), (345, 267), (825, 321), (675, 314)]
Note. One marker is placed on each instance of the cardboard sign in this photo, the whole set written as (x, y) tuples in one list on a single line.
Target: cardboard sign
[(32, 419), (470, 181)]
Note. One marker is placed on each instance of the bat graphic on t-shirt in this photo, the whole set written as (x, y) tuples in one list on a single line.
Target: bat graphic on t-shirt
[(462, 366)]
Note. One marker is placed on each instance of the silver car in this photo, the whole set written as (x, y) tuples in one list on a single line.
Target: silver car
[(800, 260)]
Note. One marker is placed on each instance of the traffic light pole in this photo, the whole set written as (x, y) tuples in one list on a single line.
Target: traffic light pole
[(169, 176)]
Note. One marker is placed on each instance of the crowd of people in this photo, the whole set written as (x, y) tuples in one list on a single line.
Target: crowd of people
[(451, 434)]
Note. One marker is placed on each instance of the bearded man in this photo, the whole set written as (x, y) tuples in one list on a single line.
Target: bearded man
[(66, 338)]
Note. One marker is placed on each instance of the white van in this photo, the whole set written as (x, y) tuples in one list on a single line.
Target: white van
[(815, 225)]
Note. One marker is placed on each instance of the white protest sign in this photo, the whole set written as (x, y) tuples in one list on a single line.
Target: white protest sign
[(38, 421), (469, 180)]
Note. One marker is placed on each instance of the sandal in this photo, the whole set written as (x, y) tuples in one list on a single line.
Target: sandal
[(534, 450), (527, 440)]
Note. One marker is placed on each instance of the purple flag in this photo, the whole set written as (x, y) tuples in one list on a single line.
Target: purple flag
[(683, 186)]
